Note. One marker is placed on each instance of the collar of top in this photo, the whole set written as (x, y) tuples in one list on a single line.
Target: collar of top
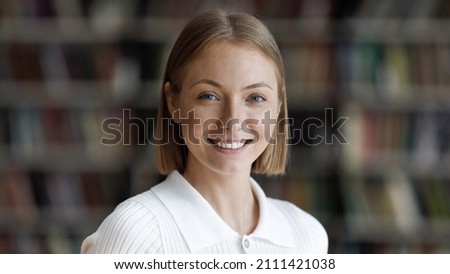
[(202, 227)]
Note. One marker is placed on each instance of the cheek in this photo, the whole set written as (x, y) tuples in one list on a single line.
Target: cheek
[(262, 126), (196, 123)]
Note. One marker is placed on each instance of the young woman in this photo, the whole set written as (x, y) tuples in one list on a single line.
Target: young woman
[(222, 115)]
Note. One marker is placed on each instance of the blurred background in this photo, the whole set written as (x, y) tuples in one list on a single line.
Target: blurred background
[(376, 72)]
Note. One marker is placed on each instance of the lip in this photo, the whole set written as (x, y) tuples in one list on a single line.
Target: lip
[(230, 150), (233, 140)]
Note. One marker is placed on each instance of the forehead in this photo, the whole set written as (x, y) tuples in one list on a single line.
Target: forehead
[(223, 49), (224, 44), (231, 59)]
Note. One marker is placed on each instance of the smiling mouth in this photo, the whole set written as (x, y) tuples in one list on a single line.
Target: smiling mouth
[(229, 144)]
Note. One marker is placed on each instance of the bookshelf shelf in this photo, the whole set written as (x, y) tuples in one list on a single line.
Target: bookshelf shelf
[(387, 232), (399, 30), (75, 94), (80, 30), (160, 29), (65, 68), (60, 161)]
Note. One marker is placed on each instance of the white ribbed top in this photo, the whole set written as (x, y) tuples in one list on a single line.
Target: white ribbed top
[(173, 217)]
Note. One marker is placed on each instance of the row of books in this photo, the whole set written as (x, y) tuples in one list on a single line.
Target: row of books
[(286, 9), (118, 62), (394, 203), (33, 126), (54, 239), (392, 70), (416, 139), (77, 139), (369, 68), (64, 196), (392, 197)]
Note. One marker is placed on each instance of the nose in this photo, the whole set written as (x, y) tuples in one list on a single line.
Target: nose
[(232, 115)]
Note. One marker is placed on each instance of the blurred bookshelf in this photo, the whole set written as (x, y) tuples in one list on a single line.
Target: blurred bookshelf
[(67, 66)]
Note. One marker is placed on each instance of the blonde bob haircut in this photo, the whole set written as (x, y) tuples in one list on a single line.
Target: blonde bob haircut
[(201, 31)]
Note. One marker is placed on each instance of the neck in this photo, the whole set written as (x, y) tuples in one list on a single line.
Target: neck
[(230, 195)]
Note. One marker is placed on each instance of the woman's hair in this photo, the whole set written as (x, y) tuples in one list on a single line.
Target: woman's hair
[(199, 33)]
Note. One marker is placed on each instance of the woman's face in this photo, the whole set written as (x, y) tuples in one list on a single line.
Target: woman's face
[(227, 107)]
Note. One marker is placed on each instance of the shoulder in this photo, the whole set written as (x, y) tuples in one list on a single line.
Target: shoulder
[(131, 228), (306, 228), (291, 210)]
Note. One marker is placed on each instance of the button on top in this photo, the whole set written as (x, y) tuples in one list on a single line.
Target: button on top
[(246, 243)]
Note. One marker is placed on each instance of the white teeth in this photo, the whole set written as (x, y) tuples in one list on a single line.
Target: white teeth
[(230, 145)]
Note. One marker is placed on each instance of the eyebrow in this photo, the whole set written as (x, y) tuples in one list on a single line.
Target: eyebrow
[(207, 81), (217, 85), (259, 85)]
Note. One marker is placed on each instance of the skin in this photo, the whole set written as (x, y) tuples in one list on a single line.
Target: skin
[(226, 84)]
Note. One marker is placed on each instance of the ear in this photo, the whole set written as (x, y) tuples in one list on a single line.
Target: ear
[(170, 99)]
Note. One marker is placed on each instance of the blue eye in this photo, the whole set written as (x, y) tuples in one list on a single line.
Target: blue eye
[(208, 96), (256, 98)]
